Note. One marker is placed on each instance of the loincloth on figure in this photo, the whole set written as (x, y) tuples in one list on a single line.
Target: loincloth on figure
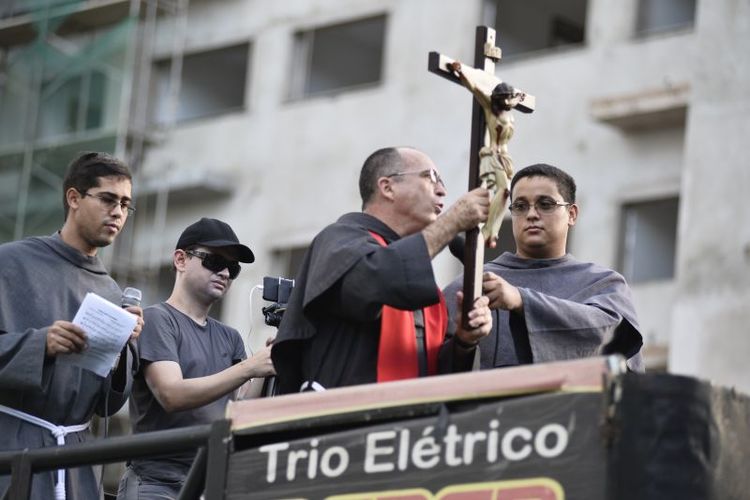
[(495, 169), (493, 174)]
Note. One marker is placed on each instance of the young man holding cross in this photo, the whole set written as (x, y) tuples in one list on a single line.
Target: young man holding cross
[(548, 306), (366, 307)]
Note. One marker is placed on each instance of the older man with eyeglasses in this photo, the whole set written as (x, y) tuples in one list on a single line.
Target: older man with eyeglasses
[(366, 307), (548, 306), (43, 280), (190, 363)]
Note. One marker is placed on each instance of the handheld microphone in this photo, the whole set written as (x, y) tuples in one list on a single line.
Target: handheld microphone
[(131, 297), (457, 247)]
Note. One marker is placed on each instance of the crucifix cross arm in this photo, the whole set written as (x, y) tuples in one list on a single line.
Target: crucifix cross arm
[(483, 80)]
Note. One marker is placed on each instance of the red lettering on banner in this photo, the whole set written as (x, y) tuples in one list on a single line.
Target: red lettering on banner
[(538, 488)]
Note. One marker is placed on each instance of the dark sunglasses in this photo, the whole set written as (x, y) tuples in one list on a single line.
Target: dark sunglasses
[(216, 263)]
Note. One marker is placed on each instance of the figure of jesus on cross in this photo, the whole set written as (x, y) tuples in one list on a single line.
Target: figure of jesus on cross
[(490, 164), (495, 163)]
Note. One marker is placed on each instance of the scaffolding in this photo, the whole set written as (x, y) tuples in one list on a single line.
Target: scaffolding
[(75, 75)]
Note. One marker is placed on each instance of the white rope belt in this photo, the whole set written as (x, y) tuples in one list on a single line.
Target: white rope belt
[(58, 432), (311, 385)]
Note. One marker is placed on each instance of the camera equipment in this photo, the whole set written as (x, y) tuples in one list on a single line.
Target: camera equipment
[(276, 290)]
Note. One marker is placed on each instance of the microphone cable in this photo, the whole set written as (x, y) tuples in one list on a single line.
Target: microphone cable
[(250, 330)]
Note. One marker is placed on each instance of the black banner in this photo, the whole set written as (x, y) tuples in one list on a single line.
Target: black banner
[(545, 446)]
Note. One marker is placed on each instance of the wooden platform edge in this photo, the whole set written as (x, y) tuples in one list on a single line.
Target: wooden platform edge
[(585, 375)]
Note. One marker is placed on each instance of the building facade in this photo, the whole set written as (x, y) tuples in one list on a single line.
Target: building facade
[(261, 113)]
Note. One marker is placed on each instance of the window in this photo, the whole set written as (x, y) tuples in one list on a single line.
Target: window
[(648, 240), (10, 8), (62, 87), (534, 25), (291, 261), (664, 15), (72, 105), (337, 57), (15, 97), (211, 83)]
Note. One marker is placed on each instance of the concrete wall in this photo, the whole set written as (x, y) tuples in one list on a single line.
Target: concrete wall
[(294, 164), (710, 334)]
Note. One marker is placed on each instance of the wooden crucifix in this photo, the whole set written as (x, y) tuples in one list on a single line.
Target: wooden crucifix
[(490, 164)]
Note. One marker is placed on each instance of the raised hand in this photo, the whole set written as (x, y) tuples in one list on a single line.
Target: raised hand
[(470, 210)]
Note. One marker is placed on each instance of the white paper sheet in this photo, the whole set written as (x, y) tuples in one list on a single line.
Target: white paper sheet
[(107, 328)]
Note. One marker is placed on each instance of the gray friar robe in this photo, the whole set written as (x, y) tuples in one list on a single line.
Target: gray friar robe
[(330, 332), (43, 280), (571, 309)]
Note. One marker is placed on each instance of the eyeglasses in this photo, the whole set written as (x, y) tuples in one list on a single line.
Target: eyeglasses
[(216, 263), (433, 175), (544, 206), (110, 201)]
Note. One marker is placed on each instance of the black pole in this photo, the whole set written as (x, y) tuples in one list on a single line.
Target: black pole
[(20, 481), (219, 443), (196, 478), (110, 450)]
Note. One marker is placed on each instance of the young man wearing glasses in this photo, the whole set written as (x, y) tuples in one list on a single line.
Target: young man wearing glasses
[(43, 281), (190, 362), (547, 305), (366, 307)]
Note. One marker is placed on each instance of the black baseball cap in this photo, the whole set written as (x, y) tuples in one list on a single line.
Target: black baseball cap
[(214, 233)]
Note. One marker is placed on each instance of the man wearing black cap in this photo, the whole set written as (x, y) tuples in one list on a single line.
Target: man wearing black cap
[(190, 363)]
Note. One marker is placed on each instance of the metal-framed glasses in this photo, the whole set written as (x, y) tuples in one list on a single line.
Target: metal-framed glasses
[(216, 263), (544, 206), (430, 173), (110, 201)]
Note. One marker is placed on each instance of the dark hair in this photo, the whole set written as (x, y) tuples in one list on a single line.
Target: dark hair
[(84, 172), (565, 183), (381, 163), (502, 89)]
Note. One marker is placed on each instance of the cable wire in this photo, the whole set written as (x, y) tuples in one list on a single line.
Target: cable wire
[(252, 323)]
